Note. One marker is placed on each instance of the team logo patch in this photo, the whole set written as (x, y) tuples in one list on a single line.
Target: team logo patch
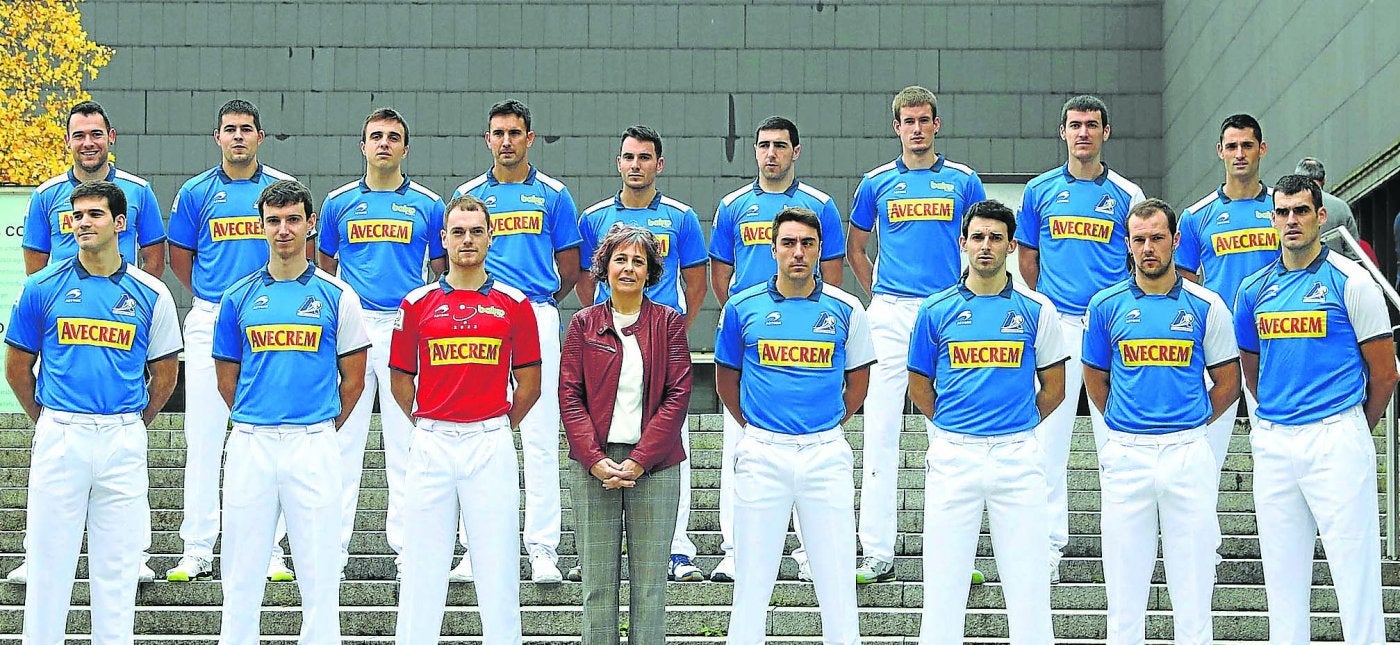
[(1156, 352), (899, 188), (487, 310), (379, 230), (1133, 317), (1062, 197), (774, 318), (464, 351), (815, 354), (220, 197), (245, 227), (1291, 324), (975, 354), (753, 233), (97, 333), (310, 308), (398, 320), (1184, 321), (533, 200), (1106, 205), (517, 222), (284, 338), (74, 295), (911, 210), (1092, 229), (1265, 215), (1244, 240), (941, 185), (260, 302), (406, 209), (826, 324), (1223, 218), (126, 306), (1015, 323), (1317, 294), (662, 223), (964, 317)]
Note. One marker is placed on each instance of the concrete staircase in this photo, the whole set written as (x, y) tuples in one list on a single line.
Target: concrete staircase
[(697, 612)]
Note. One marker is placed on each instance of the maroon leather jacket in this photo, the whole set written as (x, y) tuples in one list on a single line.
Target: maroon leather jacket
[(589, 367)]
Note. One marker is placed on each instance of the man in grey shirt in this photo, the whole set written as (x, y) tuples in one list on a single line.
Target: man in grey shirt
[(1338, 211)]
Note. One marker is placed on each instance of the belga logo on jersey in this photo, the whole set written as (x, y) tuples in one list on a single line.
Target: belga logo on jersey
[(310, 308), (1244, 240), (98, 333), (380, 230), (517, 222), (1184, 321), (815, 354), (994, 353), (284, 338), (1291, 324), (751, 233), (126, 306), (464, 351), (941, 185), (244, 227), (1090, 229), (910, 210), (533, 200), (487, 310), (1159, 352), (406, 209)]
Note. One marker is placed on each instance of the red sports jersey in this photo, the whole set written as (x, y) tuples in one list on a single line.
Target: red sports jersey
[(462, 345)]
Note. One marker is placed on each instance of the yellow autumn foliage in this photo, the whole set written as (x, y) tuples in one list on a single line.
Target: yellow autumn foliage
[(45, 55)]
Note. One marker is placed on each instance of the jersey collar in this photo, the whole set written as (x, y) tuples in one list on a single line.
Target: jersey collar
[(1311, 268), (967, 294), (936, 167), (1174, 293), (655, 202), (257, 174), (1103, 176), (789, 191), (1224, 199), (111, 174), (403, 188), (83, 273), (778, 296), (484, 290), (491, 176), (304, 278)]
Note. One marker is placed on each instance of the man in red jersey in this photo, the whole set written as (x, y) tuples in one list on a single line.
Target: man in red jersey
[(466, 336)]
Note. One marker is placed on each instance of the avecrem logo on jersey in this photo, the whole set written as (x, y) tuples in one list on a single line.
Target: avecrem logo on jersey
[(751, 233), (912, 210), (1160, 352), (796, 353), (663, 244), (462, 351), (517, 222), (1080, 228), (1291, 324), (65, 220), (974, 354), (284, 338), (1241, 241), (380, 230), (98, 333), (245, 227)]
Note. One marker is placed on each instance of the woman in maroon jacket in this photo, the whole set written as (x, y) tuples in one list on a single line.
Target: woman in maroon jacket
[(624, 388)]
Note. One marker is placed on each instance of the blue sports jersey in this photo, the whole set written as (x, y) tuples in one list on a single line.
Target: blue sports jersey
[(532, 220), (1307, 326), (793, 354), (217, 218), (1080, 229), (1228, 239), (743, 231), (382, 238), (1155, 348), (287, 337), (94, 335), (918, 214), (677, 231), (982, 354), (48, 228)]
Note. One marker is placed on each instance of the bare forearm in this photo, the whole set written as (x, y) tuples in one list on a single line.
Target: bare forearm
[(727, 387), (34, 261), (1052, 389), (153, 259), (921, 393), (1224, 390), (831, 272), (164, 374), (404, 388), (857, 383), (527, 392), (863, 269), (1096, 384), (720, 275), (182, 264), (19, 373), (1029, 262)]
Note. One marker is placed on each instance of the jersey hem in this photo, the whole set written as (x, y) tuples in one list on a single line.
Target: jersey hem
[(353, 351), (164, 356)]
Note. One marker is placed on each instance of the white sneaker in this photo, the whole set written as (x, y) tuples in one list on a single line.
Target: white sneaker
[(463, 571), (191, 567), (277, 570), (804, 570), (724, 571), (18, 575), (543, 570), (146, 574)]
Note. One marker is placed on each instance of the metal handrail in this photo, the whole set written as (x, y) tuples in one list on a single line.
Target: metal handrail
[(1392, 411)]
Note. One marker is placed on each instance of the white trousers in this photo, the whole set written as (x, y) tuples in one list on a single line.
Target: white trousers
[(680, 541), (271, 470), (1319, 477), (471, 467), (1145, 478), (773, 474), (891, 324), (1004, 474), (733, 433), (206, 425), (397, 433), (85, 469), (1219, 431), (1055, 431)]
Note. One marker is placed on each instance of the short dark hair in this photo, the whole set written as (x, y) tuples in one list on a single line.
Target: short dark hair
[(116, 199), (1084, 103), (990, 209), (467, 202), (238, 106), (1294, 184), (1312, 168), (1242, 121), (385, 114), (643, 133), (1147, 208), (285, 192), (510, 107), (88, 108), (777, 123), (795, 214), (619, 235), (913, 96)]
